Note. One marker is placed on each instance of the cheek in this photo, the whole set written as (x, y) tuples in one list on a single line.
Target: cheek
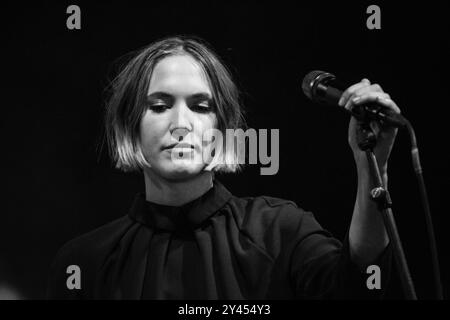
[(203, 134), (151, 132), (205, 122)]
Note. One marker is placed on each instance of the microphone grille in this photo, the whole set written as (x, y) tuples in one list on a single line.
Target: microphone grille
[(308, 82)]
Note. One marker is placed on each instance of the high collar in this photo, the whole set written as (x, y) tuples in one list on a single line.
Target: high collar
[(183, 218)]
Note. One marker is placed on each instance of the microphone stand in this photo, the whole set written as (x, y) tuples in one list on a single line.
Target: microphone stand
[(366, 140)]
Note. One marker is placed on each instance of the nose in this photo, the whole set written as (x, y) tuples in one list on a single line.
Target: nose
[(181, 123)]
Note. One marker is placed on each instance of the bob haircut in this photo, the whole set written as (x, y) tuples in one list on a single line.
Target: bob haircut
[(127, 102)]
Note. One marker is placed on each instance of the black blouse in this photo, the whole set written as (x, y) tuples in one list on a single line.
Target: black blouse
[(216, 247)]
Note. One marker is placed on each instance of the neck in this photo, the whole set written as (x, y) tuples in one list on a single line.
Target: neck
[(176, 193)]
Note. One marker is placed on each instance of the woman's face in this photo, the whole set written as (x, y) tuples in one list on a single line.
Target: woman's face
[(179, 110)]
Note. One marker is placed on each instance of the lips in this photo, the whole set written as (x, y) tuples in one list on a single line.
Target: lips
[(180, 145)]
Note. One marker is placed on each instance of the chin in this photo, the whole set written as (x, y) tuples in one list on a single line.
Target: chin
[(181, 171)]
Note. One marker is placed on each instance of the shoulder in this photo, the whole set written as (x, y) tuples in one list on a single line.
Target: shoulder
[(84, 254), (93, 245), (266, 210), (268, 220)]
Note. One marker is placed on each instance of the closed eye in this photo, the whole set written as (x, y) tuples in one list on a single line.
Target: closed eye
[(202, 107), (160, 107)]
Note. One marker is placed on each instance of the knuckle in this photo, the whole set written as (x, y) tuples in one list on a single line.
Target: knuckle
[(377, 87), (349, 91)]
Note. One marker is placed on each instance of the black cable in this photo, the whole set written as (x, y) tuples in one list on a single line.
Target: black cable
[(426, 206)]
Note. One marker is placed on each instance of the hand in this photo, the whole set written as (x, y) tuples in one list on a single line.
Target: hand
[(363, 93)]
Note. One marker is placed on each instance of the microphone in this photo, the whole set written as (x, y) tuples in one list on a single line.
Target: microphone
[(323, 88)]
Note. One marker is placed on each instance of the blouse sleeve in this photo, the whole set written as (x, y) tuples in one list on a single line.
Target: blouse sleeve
[(321, 267)]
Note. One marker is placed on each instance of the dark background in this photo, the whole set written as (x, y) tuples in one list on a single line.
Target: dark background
[(58, 184)]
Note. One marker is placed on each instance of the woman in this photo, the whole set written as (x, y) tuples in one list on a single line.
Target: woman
[(187, 236)]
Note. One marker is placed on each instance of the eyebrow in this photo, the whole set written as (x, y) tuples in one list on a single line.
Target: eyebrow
[(165, 95)]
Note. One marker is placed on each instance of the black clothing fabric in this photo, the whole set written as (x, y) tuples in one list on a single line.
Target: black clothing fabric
[(216, 247)]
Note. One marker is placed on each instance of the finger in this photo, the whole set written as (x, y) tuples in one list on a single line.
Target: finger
[(379, 97), (363, 91), (373, 87), (350, 90), (367, 97)]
